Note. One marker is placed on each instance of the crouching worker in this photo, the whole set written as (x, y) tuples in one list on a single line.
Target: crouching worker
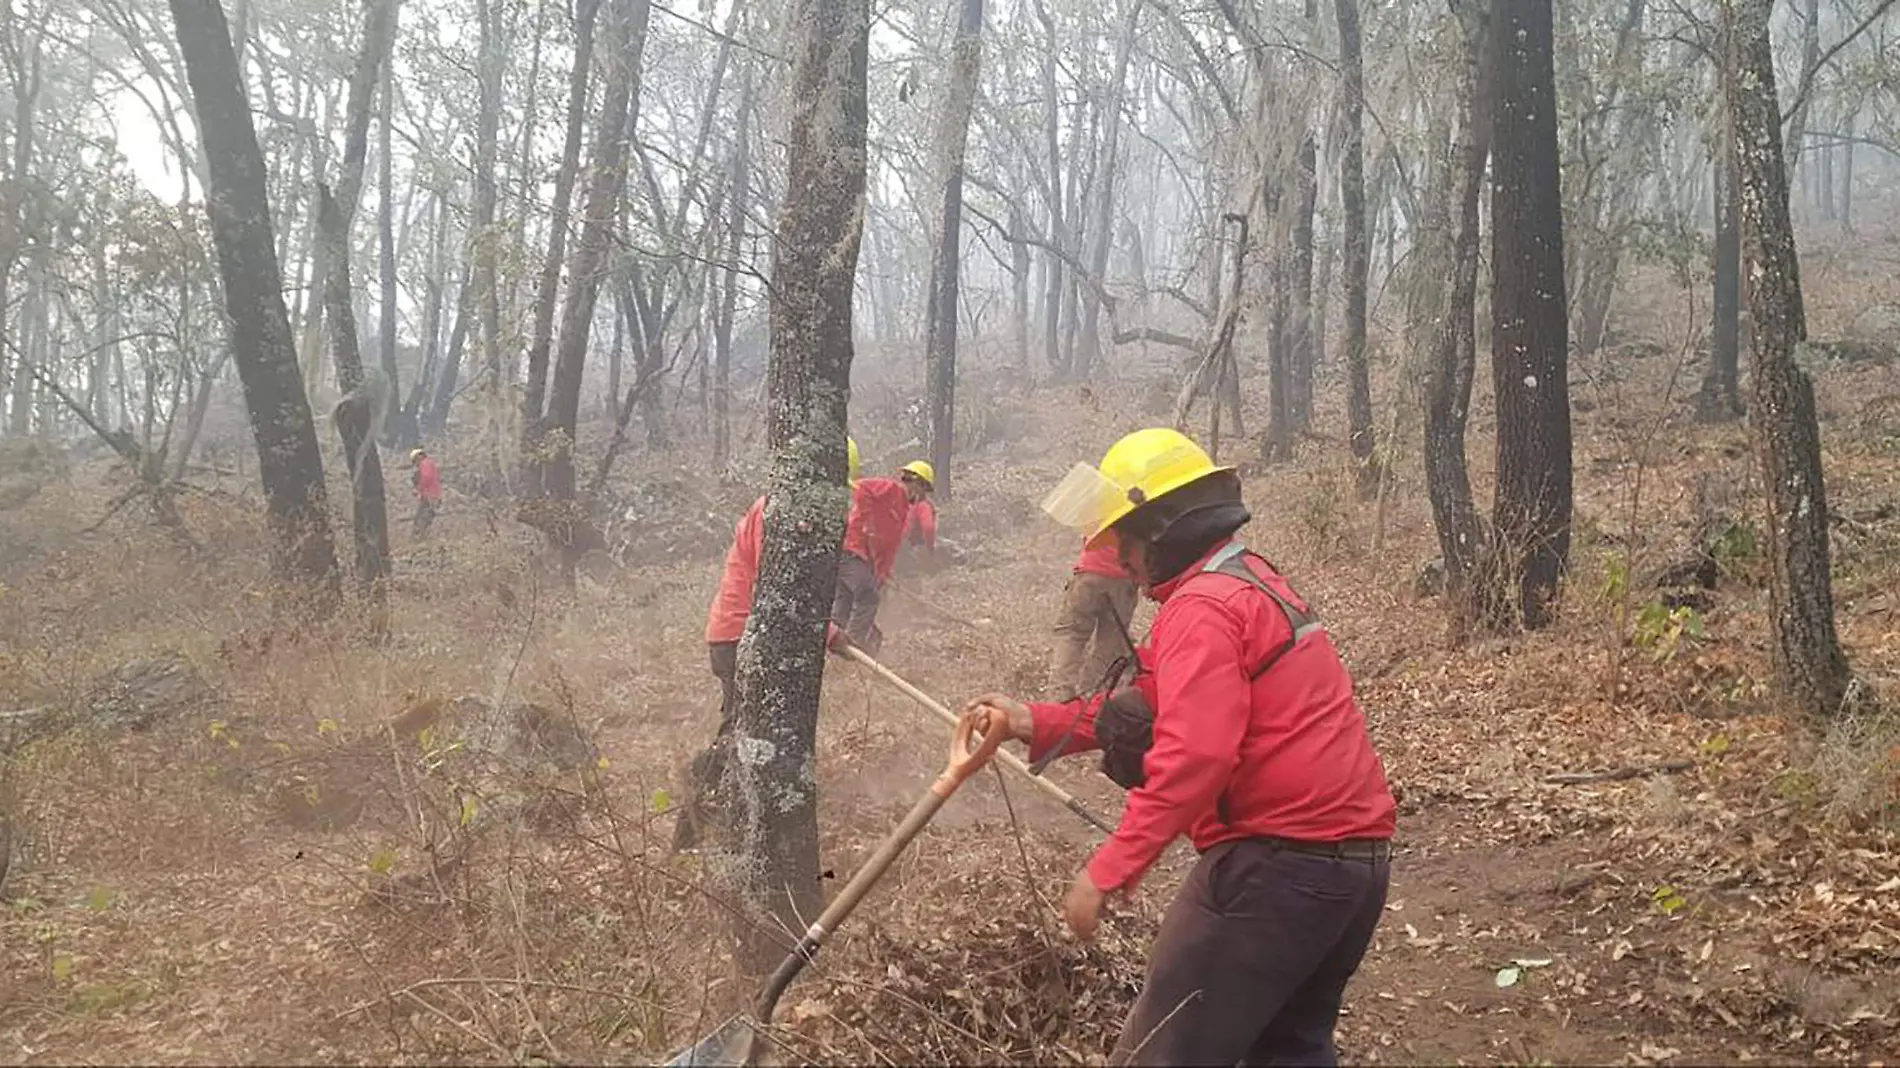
[(1240, 731), (880, 509), (725, 625)]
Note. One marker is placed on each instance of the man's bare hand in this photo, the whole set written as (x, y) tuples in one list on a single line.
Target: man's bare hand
[(1022, 726)]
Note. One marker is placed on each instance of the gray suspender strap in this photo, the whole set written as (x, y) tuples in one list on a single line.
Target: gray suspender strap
[(1229, 561)]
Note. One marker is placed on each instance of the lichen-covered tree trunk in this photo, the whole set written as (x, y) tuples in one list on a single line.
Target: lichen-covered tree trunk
[(1530, 325), (1452, 367), (940, 350), (1811, 672), (1356, 263), (781, 659), (289, 463)]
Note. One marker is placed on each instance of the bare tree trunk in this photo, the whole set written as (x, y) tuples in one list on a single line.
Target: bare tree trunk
[(484, 238), (1102, 227), (1847, 176), (565, 517), (1019, 270), (1053, 194), (1811, 671), (1357, 265), (356, 415), (585, 14), (781, 659), (364, 400), (1304, 350), (1721, 395), (386, 250), (1449, 374), (940, 353), (24, 57), (289, 462), (1530, 327), (738, 201)]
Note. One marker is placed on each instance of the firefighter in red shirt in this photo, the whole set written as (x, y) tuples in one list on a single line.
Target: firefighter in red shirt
[(1240, 731), (1098, 604), (920, 529), (880, 508), (427, 479), (725, 625)]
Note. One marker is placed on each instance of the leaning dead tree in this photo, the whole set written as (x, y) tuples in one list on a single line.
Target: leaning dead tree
[(1218, 366), (289, 462), (781, 659), (1810, 669), (358, 415)]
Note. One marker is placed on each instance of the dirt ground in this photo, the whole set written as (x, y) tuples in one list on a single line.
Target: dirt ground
[(294, 870)]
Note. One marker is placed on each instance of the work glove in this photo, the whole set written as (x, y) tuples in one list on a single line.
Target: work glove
[(836, 640)]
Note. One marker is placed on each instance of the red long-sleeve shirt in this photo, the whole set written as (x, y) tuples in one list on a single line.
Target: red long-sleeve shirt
[(428, 480), (1101, 560), (1287, 752), (921, 528), (732, 605), (875, 531)]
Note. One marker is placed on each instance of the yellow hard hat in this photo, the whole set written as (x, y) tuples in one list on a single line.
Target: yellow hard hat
[(851, 458), (923, 470), (416, 454), (1141, 467)]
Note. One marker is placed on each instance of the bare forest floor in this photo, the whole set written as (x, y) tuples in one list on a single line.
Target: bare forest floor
[(285, 872)]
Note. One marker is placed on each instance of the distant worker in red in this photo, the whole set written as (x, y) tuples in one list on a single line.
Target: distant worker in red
[(1098, 604), (725, 625), (1240, 731), (920, 530), (880, 509), (426, 477)]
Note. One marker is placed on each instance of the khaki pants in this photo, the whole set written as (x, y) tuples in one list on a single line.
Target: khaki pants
[(1089, 634), (854, 606)]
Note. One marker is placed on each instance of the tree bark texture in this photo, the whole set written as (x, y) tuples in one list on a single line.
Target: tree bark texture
[(781, 659), (600, 215), (1356, 263), (940, 351), (387, 420), (1529, 332), (1305, 348), (357, 414), (289, 462), (548, 289), (1452, 367), (1811, 671), (1721, 395), (738, 202), (1102, 227)]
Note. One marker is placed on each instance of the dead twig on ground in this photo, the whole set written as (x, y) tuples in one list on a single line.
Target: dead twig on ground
[(1633, 771)]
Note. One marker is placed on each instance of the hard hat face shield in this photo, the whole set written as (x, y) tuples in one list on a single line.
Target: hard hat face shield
[(1085, 500)]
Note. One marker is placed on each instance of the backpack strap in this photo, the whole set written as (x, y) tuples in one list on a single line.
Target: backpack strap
[(1303, 622)]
